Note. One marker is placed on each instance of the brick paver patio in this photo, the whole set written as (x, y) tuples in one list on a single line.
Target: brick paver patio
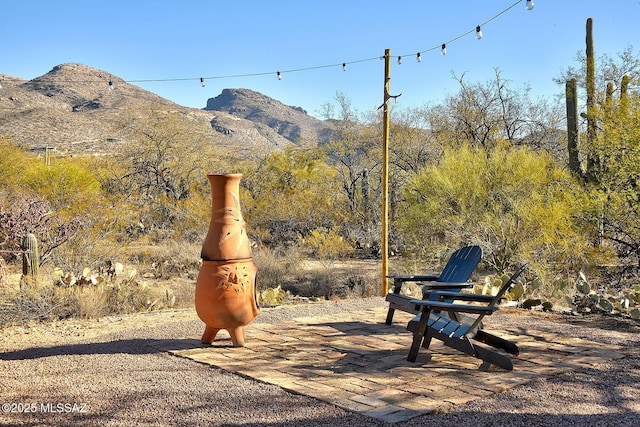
[(358, 363)]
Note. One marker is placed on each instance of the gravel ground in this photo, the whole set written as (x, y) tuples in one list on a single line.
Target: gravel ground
[(105, 373)]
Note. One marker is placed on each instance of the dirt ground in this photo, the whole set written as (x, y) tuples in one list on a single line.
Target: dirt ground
[(107, 368)]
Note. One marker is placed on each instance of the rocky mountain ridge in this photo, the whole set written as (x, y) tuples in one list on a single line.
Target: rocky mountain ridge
[(293, 123), (80, 110)]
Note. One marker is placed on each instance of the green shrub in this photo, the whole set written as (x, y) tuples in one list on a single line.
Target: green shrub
[(326, 244), (516, 204)]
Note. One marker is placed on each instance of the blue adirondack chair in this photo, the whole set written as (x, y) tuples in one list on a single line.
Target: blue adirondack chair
[(453, 278), (439, 318)]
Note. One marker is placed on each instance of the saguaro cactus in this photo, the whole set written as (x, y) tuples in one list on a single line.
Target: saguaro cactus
[(591, 99), (365, 190), (3, 272), (30, 258), (572, 127), (624, 95)]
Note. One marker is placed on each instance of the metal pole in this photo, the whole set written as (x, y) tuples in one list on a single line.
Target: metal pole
[(384, 242)]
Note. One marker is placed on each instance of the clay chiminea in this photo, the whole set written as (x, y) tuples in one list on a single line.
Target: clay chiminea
[(225, 295)]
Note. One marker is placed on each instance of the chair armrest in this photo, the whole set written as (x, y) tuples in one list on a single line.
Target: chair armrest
[(464, 308), (447, 285), (399, 279), (412, 277), (462, 296), (403, 300)]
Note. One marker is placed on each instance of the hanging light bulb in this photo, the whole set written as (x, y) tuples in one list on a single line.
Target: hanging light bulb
[(201, 82), (444, 49), (111, 87), (529, 5), (344, 66), (478, 32), (399, 60), (418, 57), (279, 76)]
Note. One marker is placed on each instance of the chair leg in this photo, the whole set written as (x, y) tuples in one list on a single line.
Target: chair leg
[(426, 342), (390, 314), (419, 336), (397, 285)]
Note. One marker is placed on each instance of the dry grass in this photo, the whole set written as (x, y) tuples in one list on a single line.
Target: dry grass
[(164, 261), (156, 277), (314, 278), (44, 299), (168, 285)]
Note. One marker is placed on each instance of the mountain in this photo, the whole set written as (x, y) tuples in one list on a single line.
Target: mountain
[(75, 109), (293, 123)]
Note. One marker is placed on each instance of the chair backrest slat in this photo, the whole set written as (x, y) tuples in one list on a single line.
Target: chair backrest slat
[(461, 264)]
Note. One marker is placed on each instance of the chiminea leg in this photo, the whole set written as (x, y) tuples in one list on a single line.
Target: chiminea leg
[(209, 335), (237, 336)]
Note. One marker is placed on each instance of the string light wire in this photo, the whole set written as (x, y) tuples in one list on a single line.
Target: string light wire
[(343, 65), (471, 31)]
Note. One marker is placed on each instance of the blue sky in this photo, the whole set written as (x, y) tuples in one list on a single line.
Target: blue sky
[(188, 39)]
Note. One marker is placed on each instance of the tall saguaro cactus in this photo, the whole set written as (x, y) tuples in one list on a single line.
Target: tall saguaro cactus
[(591, 99), (31, 258), (624, 95), (572, 127)]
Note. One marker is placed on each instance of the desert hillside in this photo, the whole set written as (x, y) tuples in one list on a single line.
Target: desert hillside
[(74, 109)]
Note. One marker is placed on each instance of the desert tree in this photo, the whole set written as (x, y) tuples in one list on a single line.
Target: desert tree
[(612, 199), (162, 173), (289, 194), (351, 149), (608, 150), (610, 68), (484, 114), (413, 144), (354, 152), (50, 202)]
